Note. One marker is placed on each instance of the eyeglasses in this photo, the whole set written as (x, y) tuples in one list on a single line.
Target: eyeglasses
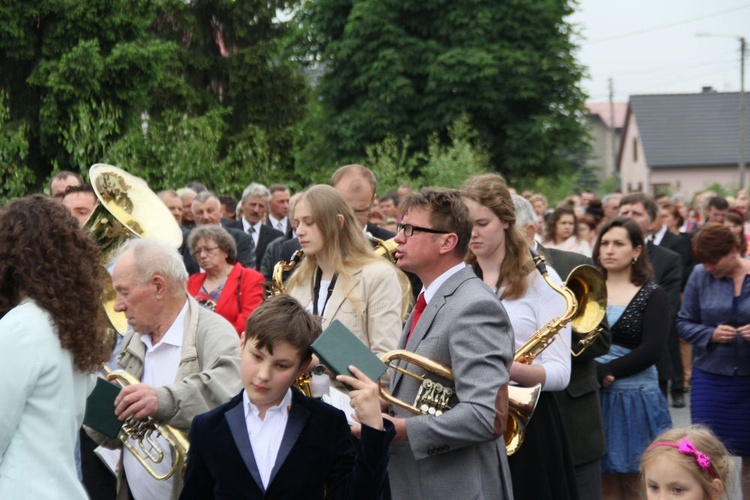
[(408, 229), (207, 251)]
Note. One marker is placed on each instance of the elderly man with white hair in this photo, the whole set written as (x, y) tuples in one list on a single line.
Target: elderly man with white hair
[(185, 356)]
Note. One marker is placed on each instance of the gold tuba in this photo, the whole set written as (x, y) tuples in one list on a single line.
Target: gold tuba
[(585, 294), (148, 452), (127, 208)]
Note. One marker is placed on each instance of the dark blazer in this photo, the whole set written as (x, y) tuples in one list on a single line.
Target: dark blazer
[(287, 233), (245, 251), (579, 403), (667, 266), (266, 236), (231, 224), (681, 246), (316, 452)]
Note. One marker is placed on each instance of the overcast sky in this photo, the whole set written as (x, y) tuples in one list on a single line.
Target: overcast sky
[(651, 47)]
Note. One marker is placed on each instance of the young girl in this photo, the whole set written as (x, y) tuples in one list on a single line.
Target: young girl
[(689, 462)]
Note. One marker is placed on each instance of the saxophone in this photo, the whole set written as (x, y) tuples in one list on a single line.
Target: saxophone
[(585, 294), (276, 287)]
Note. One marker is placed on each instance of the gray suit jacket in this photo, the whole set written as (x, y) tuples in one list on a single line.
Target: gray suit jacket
[(461, 453)]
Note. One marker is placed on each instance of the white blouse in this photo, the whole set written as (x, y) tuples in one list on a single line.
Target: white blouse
[(531, 312)]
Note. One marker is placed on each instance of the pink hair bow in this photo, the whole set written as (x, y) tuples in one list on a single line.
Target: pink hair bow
[(686, 447)]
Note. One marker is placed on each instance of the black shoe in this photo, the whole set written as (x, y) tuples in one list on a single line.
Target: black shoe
[(678, 400)]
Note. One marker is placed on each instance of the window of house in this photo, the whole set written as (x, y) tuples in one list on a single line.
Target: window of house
[(635, 149)]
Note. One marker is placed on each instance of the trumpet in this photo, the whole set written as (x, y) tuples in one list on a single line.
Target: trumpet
[(149, 452)]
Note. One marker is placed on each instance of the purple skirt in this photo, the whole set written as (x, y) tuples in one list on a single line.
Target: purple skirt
[(722, 403)]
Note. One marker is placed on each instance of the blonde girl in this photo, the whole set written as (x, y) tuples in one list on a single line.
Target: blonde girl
[(689, 463)]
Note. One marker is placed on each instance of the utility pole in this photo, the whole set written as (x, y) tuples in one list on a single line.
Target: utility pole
[(743, 48), (741, 127), (613, 132)]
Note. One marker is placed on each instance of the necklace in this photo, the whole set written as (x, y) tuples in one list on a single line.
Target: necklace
[(614, 294)]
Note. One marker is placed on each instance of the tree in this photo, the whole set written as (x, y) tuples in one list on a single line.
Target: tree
[(61, 57), (14, 149), (236, 57), (89, 81), (410, 68)]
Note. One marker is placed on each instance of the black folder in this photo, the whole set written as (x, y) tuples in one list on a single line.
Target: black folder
[(100, 409), (338, 348)]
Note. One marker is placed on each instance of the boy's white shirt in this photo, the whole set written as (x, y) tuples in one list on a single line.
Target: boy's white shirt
[(265, 435)]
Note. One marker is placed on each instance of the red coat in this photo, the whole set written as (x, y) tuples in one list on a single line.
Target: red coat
[(242, 293)]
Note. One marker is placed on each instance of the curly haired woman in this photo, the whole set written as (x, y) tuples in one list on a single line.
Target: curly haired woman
[(52, 339)]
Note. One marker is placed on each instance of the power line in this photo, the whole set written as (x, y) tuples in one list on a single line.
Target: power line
[(664, 26)]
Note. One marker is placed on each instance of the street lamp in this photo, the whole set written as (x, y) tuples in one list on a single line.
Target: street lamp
[(743, 48)]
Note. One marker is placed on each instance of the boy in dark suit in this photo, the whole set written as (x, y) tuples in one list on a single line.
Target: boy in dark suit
[(270, 441)]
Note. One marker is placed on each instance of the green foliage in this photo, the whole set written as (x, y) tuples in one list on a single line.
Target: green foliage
[(554, 188), (720, 190), (14, 149), (392, 163), (223, 96), (450, 166), (443, 165), (410, 68), (92, 129)]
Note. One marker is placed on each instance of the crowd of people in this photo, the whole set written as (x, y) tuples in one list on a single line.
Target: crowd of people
[(216, 356)]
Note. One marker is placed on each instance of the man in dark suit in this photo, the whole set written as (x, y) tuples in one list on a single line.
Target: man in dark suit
[(277, 214), (207, 210), (579, 402), (459, 323), (254, 205), (668, 268)]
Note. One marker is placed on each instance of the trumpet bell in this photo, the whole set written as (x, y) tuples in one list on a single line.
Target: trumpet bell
[(523, 401)]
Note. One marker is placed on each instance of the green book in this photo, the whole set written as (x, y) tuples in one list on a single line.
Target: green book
[(100, 409), (338, 348)]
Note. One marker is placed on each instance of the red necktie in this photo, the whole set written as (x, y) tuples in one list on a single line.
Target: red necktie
[(418, 308)]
